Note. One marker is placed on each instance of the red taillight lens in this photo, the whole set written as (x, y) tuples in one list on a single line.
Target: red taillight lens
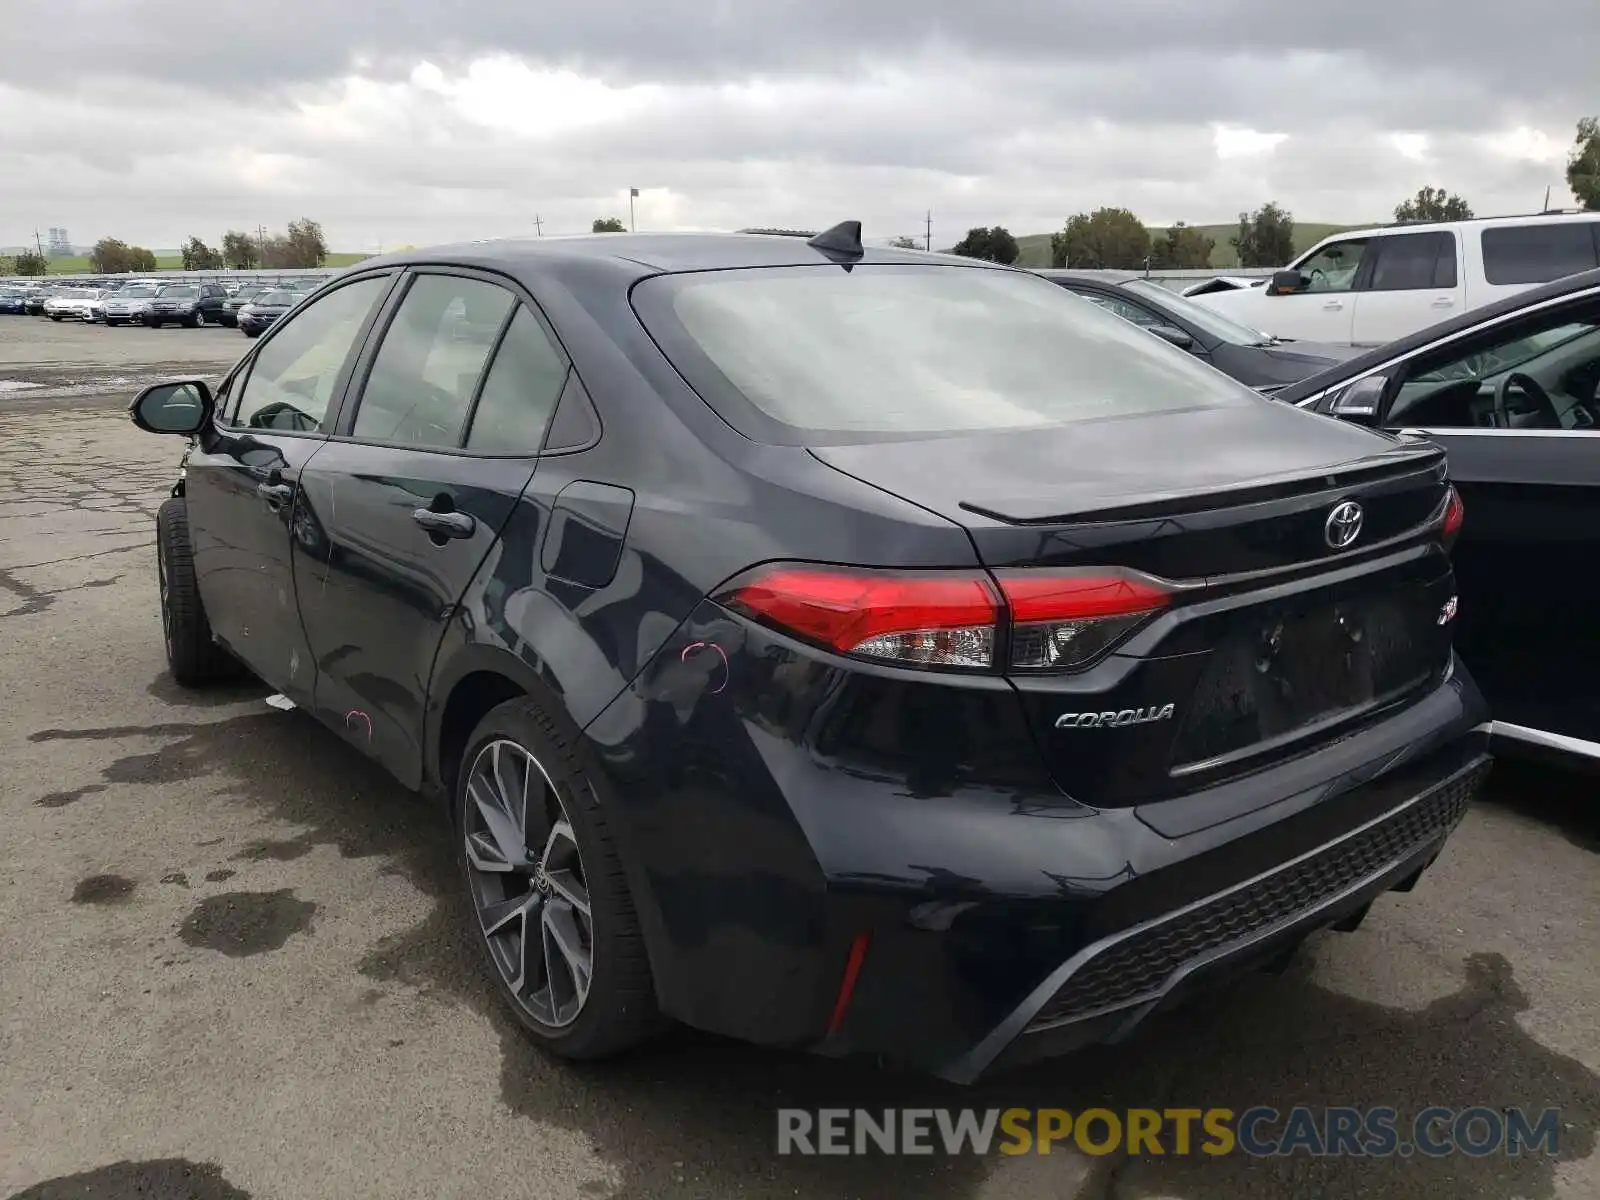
[(1063, 621), (942, 618), (1059, 620), (1455, 513)]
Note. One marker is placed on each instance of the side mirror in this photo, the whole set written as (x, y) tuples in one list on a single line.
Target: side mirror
[(181, 407), (1361, 401), (1174, 335), (1286, 283)]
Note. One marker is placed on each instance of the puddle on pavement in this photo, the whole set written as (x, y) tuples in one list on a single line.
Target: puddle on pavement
[(62, 799), (156, 1179), (103, 889), (240, 924)]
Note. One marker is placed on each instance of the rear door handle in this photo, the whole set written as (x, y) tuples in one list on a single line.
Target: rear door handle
[(1444, 302), (275, 494), (446, 524), (1334, 305)]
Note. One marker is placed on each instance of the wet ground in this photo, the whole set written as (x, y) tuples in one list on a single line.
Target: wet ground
[(232, 962)]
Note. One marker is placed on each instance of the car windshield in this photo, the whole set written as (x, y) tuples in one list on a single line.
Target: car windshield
[(137, 290), (277, 299), (895, 350), (182, 291), (1214, 323)]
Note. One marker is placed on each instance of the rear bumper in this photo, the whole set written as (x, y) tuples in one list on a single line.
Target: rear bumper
[(780, 813), (1113, 985)]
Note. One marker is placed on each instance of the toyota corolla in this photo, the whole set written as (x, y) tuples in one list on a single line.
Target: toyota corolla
[(838, 648)]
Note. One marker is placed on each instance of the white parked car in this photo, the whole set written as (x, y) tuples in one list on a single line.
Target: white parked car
[(72, 304), (1370, 286)]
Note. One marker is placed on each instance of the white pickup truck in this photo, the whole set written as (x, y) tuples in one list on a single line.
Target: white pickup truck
[(1370, 286)]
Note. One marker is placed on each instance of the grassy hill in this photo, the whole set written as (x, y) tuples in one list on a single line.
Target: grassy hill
[(1036, 246), (79, 265)]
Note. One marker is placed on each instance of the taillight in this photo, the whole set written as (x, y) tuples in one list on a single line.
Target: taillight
[(1061, 621), (1455, 513), (1056, 620)]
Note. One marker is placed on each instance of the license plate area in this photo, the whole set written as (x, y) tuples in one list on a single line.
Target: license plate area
[(1299, 665)]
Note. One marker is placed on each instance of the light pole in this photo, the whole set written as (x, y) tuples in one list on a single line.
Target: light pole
[(633, 194)]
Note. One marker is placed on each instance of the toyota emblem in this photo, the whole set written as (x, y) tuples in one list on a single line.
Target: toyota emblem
[(1343, 525)]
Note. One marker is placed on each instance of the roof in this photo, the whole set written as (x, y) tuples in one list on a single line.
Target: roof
[(648, 253), (1571, 285), (1067, 275)]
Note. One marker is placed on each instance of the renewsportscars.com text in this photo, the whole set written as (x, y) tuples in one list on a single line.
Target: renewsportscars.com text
[(1260, 1132)]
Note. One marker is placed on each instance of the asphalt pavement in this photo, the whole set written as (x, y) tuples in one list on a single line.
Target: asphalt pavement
[(232, 958)]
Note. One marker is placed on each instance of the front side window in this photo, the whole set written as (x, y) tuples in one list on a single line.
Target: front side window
[(1540, 251), (426, 372), (1414, 262), (886, 350), (1333, 268), (296, 370), (1541, 372), (1128, 312)]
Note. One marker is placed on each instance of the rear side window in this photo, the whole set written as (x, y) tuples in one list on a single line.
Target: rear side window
[(1540, 251), (1414, 262), (520, 393), (426, 372), (796, 354)]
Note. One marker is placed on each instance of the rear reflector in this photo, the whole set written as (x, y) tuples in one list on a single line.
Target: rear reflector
[(1057, 620), (1455, 513)]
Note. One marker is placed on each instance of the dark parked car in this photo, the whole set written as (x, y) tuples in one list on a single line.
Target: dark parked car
[(37, 297), (254, 316), (1512, 391), (860, 650), (238, 299), (1250, 356), (190, 304), (13, 300)]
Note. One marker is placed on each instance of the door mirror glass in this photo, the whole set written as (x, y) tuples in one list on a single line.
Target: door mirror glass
[(1171, 333), (1286, 283), (182, 407), (1360, 401)]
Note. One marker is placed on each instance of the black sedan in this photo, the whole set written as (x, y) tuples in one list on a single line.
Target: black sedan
[(13, 300), (255, 315), (830, 647), (1512, 391), (1264, 362)]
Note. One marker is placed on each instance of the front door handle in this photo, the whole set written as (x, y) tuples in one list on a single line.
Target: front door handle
[(1334, 305), (275, 494), (446, 524), (1444, 302)]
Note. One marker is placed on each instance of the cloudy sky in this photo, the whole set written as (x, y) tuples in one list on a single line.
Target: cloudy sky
[(415, 121)]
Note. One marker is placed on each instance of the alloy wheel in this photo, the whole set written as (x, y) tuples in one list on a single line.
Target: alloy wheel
[(528, 884)]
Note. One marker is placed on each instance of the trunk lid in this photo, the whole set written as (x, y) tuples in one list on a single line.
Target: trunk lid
[(1276, 640)]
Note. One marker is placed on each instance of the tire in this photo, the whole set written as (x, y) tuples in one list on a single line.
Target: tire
[(618, 1010), (197, 321), (192, 654), (252, 333), (55, 316)]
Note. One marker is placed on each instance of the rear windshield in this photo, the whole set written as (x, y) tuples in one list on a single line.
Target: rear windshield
[(800, 353)]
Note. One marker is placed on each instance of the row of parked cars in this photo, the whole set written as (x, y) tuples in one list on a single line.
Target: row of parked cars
[(249, 307), (878, 652)]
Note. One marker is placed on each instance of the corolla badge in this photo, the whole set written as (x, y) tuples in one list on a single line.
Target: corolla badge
[(1116, 719), (1343, 525)]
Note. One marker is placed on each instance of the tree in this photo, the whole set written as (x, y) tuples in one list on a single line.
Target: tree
[(1265, 237), (197, 256), (1583, 164), (905, 243), (140, 259), (109, 257), (239, 250), (1181, 248), (307, 246), (1106, 238), (609, 225), (30, 264), (1433, 204), (992, 245)]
